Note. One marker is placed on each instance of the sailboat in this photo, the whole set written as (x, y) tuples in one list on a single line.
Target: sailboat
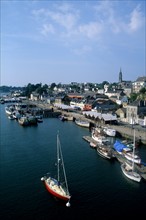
[(56, 186), (128, 170)]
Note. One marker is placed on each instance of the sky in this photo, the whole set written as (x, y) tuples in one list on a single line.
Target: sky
[(83, 41)]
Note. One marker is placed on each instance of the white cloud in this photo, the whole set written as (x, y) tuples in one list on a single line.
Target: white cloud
[(47, 29), (136, 19), (91, 30), (68, 24), (117, 23), (67, 20)]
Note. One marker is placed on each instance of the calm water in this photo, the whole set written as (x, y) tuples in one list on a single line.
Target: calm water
[(97, 185)]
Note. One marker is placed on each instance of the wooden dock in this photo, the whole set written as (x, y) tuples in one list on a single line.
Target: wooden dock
[(88, 139)]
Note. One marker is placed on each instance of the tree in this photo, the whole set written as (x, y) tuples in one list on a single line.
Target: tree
[(133, 97), (53, 85), (142, 94), (143, 90)]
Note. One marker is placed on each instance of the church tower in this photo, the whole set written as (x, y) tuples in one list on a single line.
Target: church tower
[(120, 76)]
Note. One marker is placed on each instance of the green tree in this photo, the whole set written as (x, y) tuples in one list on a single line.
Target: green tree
[(142, 94), (53, 85), (133, 97)]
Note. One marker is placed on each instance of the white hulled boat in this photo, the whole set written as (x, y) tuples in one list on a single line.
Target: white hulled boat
[(128, 170), (82, 123), (109, 131)]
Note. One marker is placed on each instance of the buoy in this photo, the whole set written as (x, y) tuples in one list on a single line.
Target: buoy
[(68, 204), (42, 179)]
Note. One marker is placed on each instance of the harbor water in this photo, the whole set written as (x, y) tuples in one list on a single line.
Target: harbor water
[(97, 186)]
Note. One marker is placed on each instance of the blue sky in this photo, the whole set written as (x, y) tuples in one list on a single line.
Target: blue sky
[(72, 41)]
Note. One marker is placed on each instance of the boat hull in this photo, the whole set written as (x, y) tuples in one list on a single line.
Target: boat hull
[(110, 132), (130, 174), (104, 153), (58, 187), (84, 124), (99, 138), (54, 191), (135, 160), (127, 152)]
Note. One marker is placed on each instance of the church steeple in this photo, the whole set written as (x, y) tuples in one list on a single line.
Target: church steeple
[(120, 76)]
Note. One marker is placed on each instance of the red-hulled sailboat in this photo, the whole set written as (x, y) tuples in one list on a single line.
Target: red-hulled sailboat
[(57, 187)]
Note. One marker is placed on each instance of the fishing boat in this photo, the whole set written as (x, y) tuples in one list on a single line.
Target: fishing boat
[(58, 187), (128, 170), (98, 136), (105, 151), (82, 123), (126, 150)]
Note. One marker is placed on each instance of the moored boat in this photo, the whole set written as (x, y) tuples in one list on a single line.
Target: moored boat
[(129, 170), (23, 120), (98, 136), (104, 151), (9, 110), (82, 123), (127, 151), (130, 173), (109, 131)]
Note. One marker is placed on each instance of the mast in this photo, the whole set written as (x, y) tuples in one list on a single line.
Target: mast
[(133, 150), (58, 170), (60, 150)]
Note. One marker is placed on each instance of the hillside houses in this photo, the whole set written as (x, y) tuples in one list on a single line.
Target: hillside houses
[(139, 84), (101, 98), (136, 111)]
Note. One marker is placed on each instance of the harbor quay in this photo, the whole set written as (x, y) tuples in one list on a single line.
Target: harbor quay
[(127, 132), (123, 130)]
